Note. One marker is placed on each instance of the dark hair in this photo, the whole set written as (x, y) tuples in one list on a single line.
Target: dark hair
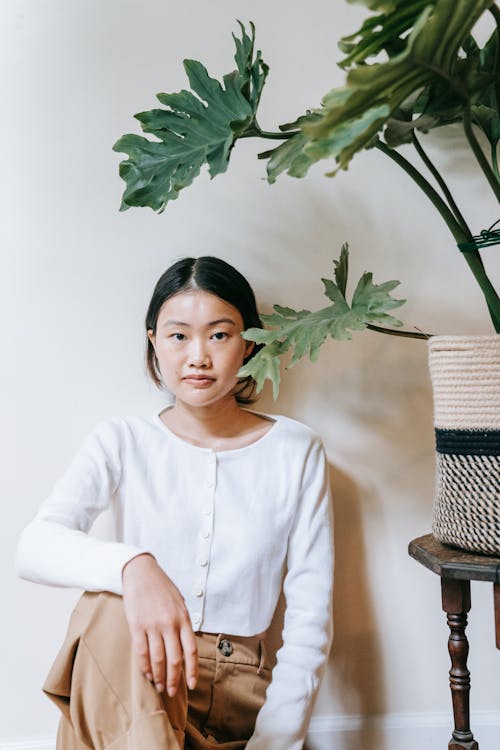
[(212, 275)]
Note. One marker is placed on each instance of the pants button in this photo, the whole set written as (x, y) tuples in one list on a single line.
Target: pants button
[(226, 647)]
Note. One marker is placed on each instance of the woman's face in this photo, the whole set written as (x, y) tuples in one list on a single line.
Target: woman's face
[(199, 347)]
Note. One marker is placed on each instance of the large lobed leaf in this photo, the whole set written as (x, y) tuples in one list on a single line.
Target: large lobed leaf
[(383, 32), (303, 332), (442, 104), (192, 130), (351, 117)]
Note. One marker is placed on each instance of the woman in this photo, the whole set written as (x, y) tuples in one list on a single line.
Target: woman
[(215, 507)]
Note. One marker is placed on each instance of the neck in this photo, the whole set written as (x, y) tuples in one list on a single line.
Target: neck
[(215, 420)]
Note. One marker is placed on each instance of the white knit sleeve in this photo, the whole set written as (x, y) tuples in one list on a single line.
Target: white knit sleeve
[(55, 548), (308, 625)]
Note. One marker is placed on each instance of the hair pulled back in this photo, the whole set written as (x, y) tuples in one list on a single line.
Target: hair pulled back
[(213, 275)]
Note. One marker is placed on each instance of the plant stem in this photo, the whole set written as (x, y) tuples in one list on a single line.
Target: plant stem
[(395, 332), (288, 134), (256, 132), (473, 259), (475, 264), (494, 162), (478, 153), (442, 184), (495, 11), (446, 213)]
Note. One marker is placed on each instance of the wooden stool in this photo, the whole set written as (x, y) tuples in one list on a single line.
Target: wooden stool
[(457, 569)]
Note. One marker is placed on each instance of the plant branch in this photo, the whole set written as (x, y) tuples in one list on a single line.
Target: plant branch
[(446, 213), (494, 161), (395, 332), (288, 134), (473, 258), (495, 11), (479, 154), (442, 184), (256, 132)]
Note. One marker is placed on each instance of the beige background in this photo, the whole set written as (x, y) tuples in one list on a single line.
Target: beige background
[(77, 275)]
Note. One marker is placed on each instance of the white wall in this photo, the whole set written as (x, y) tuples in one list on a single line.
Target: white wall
[(77, 275)]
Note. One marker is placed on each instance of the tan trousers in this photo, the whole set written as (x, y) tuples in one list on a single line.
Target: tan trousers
[(106, 701)]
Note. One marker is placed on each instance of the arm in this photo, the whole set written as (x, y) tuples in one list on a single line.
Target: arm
[(308, 626), (55, 548)]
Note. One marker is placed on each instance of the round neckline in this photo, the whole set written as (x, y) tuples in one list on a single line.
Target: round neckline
[(274, 419)]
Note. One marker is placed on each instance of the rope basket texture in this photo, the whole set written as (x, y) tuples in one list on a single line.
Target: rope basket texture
[(465, 374)]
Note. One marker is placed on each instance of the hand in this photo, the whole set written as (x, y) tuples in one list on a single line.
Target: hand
[(159, 624)]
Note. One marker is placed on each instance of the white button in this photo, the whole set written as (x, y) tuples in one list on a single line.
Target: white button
[(205, 534), (210, 484), (197, 619), (203, 562), (198, 592), (207, 509), (212, 459)]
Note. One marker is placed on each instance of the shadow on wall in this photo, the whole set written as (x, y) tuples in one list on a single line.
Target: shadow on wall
[(355, 672)]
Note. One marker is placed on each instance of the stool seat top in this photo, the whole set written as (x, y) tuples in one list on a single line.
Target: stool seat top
[(451, 562)]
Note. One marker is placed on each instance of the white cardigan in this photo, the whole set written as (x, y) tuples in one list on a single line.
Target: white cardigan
[(225, 526)]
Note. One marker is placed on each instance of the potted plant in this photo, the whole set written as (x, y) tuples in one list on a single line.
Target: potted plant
[(413, 66)]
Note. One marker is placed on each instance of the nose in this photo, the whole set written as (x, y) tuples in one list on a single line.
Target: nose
[(199, 356)]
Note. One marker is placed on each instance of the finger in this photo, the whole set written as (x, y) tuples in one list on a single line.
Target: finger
[(190, 650), (157, 658), (174, 661), (141, 650)]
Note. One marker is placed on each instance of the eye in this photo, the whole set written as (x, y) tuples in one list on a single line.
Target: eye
[(220, 335), (177, 336)]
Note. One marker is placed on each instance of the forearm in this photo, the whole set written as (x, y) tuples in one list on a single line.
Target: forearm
[(53, 554)]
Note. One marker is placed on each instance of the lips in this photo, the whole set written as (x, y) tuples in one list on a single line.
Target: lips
[(198, 379)]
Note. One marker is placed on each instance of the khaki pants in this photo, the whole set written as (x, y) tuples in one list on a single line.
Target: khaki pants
[(106, 701)]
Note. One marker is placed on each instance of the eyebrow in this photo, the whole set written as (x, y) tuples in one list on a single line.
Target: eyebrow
[(209, 325)]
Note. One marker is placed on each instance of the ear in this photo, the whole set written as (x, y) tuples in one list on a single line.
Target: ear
[(152, 337), (249, 347)]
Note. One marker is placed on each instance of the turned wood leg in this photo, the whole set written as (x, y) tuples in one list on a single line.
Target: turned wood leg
[(456, 604)]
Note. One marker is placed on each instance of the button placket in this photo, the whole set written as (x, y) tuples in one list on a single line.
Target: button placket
[(203, 548)]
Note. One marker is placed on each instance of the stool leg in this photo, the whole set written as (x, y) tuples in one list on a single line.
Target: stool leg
[(456, 604)]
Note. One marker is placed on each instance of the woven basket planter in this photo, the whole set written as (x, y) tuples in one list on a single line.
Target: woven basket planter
[(465, 373)]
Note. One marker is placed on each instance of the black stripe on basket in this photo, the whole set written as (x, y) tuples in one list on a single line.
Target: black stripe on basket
[(468, 442)]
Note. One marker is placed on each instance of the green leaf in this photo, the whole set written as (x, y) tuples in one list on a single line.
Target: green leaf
[(195, 129), (486, 108), (300, 152), (384, 32), (405, 119), (342, 268), (304, 332), (430, 55), (487, 118), (290, 156), (346, 138), (399, 130), (265, 365), (371, 301)]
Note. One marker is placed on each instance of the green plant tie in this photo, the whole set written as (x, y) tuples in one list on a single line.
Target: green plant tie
[(485, 238)]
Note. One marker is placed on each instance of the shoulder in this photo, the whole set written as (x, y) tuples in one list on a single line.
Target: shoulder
[(115, 432), (295, 434)]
